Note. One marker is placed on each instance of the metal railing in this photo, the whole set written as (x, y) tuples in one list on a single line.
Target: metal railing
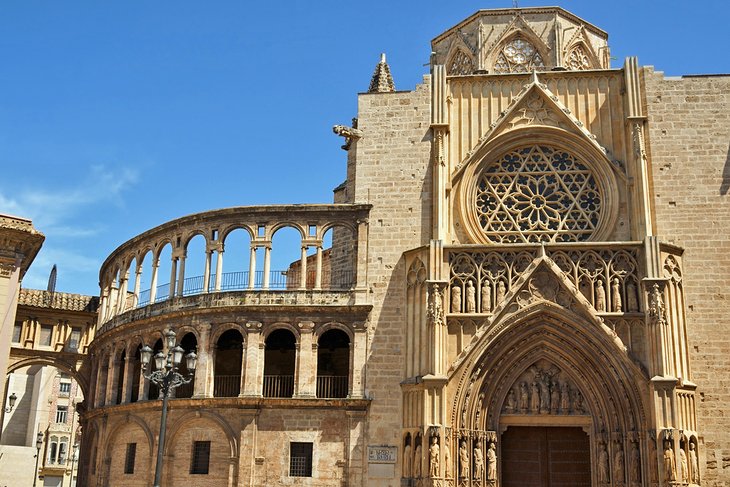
[(332, 386), (226, 385), (185, 390), (278, 385), (239, 281)]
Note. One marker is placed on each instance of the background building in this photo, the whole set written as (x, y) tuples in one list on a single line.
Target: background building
[(521, 282)]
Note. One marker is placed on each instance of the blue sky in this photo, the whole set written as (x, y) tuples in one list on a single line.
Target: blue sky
[(118, 116)]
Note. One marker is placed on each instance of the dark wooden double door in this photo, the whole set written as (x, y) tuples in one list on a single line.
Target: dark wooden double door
[(545, 457)]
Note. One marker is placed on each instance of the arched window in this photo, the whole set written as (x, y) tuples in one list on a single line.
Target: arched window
[(578, 59), (537, 193), (190, 344), (53, 449), (333, 364), (460, 64), (62, 450), (518, 56), (279, 364), (228, 358)]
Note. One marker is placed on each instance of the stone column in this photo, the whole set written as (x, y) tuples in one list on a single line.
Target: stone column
[(153, 283), (305, 378), (253, 360), (267, 265), (303, 269), (203, 370), (219, 268), (128, 379), (122, 298), (137, 284), (181, 275), (110, 389), (206, 272), (173, 277), (318, 272), (359, 356), (252, 268)]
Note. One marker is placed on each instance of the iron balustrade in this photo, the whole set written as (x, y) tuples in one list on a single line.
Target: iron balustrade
[(332, 386), (226, 385), (278, 385)]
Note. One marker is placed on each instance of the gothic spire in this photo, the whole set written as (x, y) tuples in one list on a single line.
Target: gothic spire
[(382, 81)]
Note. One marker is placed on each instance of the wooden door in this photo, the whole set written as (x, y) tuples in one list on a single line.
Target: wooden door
[(545, 457)]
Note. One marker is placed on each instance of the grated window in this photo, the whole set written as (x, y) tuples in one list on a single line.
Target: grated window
[(300, 459)]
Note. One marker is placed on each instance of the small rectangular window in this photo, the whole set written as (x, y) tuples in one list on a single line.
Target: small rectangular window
[(64, 388), (61, 413), (17, 330), (129, 459), (300, 459), (201, 457), (46, 334), (74, 340)]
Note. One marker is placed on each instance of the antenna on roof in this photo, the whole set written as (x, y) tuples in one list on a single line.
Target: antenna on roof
[(52, 284)]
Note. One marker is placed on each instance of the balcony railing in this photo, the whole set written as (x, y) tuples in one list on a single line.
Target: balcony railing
[(227, 385), (332, 386), (278, 385)]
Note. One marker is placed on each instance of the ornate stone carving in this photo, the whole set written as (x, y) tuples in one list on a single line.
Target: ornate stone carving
[(492, 463), (433, 458), (478, 462), (518, 56), (471, 302), (618, 465), (634, 465), (539, 391), (463, 460), (460, 64), (447, 457), (670, 468), (683, 466), (456, 299), (657, 311), (349, 133), (536, 112), (603, 467), (694, 463), (436, 305)]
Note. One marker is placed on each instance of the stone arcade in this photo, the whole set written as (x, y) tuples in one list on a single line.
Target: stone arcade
[(527, 252)]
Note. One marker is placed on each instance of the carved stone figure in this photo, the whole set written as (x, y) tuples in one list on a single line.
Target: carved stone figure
[(634, 464), (524, 398), (492, 462), (683, 467), (501, 292), (603, 465), (615, 296), (535, 398), (437, 305), (632, 302), (511, 402), (670, 467), (618, 465), (555, 398), (486, 297), (478, 462), (349, 133), (544, 396), (653, 468), (578, 403), (600, 296), (565, 398), (471, 299), (456, 299), (694, 464), (447, 459), (463, 461), (433, 458), (407, 461), (417, 462)]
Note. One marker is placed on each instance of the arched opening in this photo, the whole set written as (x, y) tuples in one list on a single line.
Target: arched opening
[(154, 390), (136, 374), (193, 273), (228, 361), (190, 344), (237, 263), (339, 254), (333, 364), (128, 286), (279, 364), (145, 270), (164, 269), (286, 259), (119, 375)]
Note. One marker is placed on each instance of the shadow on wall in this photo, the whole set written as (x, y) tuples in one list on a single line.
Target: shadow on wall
[(725, 186)]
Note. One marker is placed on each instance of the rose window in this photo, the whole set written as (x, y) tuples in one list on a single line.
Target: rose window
[(518, 56), (537, 194)]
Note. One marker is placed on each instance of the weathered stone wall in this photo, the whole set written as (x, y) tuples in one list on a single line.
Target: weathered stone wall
[(393, 173), (689, 137)]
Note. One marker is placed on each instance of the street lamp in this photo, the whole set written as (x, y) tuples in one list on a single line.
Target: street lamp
[(11, 402), (167, 378), (38, 446), (74, 457)]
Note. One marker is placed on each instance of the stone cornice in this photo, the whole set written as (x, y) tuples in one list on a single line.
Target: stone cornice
[(19, 240)]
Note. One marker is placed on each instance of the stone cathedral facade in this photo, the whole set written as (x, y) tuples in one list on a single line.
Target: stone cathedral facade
[(527, 286)]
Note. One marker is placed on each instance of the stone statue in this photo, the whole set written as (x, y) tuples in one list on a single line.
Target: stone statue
[(433, 458), (600, 296), (463, 461), (653, 468), (471, 300), (603, 465), (615, 296), (694, 464), (555, 398), (456, 299), (437, 305), (633, 304), (492, 462), (478, 462), (670, 467), (578, 403), (618, 465), (535, 398), (683, 467), (447, 459), (501, 292), (634, 464), (544, 396), (486, 297), (349, 133), (511, 403), (417, 462), (565, 398), (524, 398), (407, 461)]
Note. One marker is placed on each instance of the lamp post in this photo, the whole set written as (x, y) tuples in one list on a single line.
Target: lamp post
[(168, 379), (74, 457), (38, 445), (11, 402)]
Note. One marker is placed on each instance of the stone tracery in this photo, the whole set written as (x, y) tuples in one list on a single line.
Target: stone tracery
[(518, 56)]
